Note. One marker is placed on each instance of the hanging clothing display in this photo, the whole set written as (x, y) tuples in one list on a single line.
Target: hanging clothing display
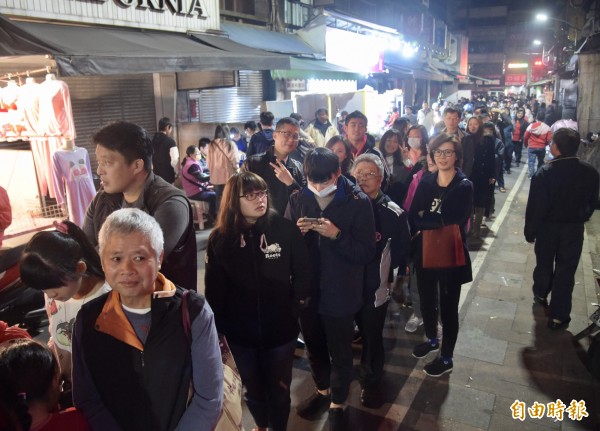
[(72, 177), (56, 116)]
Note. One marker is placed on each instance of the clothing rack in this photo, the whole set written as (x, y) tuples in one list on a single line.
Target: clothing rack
[(8, 76)]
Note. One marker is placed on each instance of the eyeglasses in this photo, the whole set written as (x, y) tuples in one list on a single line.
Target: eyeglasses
[(366, 174), (252, 196), (445, 153), (288, 135)]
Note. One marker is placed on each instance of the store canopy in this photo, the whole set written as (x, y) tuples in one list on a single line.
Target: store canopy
[(273, 41), (302, 68), (84, 50), (268, 60)]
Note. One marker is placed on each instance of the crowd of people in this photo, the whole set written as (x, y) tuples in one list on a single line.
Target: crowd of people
[(313, 229)]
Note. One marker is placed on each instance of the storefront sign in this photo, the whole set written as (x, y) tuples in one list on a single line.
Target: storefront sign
[(192, 8), (166, 15), (515, 79), (295, 85)]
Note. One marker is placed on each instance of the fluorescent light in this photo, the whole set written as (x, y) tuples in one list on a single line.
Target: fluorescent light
[(541, 17), (517, 65), (537, 42)]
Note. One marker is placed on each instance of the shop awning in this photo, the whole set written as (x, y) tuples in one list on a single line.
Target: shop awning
[(268, 60), (88, 50), (302, 68), (541, 82), (259, 38)]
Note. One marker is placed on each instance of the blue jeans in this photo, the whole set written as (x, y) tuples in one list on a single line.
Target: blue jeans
[(267, 376), (533, 154)]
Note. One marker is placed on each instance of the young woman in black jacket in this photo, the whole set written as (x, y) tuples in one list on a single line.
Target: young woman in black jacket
[(257, 278), (443, 198)]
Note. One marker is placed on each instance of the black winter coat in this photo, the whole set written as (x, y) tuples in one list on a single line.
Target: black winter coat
[(562, 191), (255, 281), (278, 192)]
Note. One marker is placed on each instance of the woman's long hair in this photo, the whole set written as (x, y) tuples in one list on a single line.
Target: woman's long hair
[(479, 134), (398, 153), (424, 138), (230, 220), (50, 258), (346, 165)]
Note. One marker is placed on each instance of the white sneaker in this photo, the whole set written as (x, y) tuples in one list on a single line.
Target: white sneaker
[(413, 323)]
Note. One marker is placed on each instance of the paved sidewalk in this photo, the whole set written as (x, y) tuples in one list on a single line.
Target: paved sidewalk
[(504, 351)]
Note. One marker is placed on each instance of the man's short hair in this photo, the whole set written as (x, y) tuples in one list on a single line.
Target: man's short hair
[(296, 116), (451, 110), (267, 118), (287, 120), (203, 142), (408, 107), (567, 141), (250, 125), (541, 116), (320, 164), (164, 123), (321, 110), (234, 130), (356, 114), (128, 139), (370, 158), (126, 221)]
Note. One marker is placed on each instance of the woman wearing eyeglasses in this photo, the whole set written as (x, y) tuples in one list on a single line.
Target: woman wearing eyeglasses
[(442, 198), (256, 280)]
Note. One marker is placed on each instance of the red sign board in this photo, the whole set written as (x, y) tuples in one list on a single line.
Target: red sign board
[(515, 79)]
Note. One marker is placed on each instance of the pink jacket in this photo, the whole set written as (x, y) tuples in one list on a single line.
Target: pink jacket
[(412, 188), (5, 213), (222, 161)]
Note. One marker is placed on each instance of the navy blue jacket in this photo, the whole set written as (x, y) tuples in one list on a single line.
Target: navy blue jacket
[(260, 142), (457, 200), (338, 264)]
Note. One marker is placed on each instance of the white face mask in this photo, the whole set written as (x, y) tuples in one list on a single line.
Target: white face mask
[(325, 192), (414, 143)]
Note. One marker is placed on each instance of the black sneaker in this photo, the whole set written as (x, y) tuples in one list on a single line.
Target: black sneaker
[(336, 419), (438, 368), (423, 349), (369, 397), (314, 405)]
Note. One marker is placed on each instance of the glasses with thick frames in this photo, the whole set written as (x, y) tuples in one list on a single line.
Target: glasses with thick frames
[(253, 195), (366, 174), (444, 153)]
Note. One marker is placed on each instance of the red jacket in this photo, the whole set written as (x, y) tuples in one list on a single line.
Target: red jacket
[(537, 135)]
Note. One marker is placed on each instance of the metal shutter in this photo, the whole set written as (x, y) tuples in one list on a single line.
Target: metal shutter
[(233, 105), (99, 100)]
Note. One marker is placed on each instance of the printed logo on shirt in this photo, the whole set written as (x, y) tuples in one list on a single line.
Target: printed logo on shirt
[(271, 251), (436, 206)]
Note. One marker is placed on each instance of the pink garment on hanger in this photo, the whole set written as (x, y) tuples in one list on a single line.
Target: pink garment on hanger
[(72, 174), (56, 116)]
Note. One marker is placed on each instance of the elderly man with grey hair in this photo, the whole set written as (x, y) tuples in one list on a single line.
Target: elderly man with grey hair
[(392, 237), (133, 364)]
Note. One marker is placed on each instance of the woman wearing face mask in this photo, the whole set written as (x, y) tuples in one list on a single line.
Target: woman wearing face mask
[(417, 140), (257, 279)]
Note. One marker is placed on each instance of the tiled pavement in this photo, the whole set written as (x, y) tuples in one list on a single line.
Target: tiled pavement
[(504, 351)]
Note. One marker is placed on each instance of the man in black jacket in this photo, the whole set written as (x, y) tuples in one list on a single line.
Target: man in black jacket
[(562, 197), (165, 155), (261, 141), (282, 174), (337, 222), (392, 248)]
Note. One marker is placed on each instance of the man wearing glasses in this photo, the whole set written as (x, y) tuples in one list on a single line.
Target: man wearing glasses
[(337, 222), (282, 173)]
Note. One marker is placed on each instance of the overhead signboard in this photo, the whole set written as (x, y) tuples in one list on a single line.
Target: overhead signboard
[(357, 52)]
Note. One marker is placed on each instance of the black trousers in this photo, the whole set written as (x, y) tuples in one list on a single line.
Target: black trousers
[(329, 343), (557, 251), (447, 296), (518, 145), (508, 154), (370, 320)]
